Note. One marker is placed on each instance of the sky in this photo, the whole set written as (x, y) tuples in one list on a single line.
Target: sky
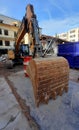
[(54, 16)]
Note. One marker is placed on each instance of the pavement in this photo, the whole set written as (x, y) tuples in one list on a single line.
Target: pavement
[(74, 75), (59, 114), (11, 116)]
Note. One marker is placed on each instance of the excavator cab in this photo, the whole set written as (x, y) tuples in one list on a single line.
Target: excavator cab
[(24, 50), (15, 58)]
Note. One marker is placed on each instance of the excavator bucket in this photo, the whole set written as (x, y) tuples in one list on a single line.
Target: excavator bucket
[(49, 78)]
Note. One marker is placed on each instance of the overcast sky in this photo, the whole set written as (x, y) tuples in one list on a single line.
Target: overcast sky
[(54, 16)]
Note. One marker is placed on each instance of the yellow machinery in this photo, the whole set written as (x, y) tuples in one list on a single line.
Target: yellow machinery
[(49, 76), (30, 26)]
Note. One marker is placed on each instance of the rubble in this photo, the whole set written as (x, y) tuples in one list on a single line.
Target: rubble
[(3, 58)]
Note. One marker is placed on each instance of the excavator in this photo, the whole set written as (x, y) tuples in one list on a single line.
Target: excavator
[(29, 25), (49, 75)]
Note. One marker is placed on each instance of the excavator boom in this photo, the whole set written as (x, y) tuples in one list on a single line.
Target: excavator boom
[(26, 25)]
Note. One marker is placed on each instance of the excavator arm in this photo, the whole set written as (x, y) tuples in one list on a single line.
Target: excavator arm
[(29, 25)]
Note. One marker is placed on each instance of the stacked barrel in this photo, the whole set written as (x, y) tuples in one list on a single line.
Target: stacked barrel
[(49, 77)]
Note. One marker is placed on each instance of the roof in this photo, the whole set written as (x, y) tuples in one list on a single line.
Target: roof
[(10, 17), (46, 37)]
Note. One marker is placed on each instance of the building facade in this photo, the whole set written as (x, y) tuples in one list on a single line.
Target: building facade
[(72, 35), (8, 30)]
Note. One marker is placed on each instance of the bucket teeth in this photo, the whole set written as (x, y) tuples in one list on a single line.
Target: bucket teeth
[(66, 89), (54, 94)]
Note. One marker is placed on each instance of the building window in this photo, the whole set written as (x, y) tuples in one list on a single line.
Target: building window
[(14, 34), (72, 36), (73, 40), (0, 31), (7, 43), (1, 21), (73, 31), (0, 42), (64, 35), (15, 24), (6, 32)]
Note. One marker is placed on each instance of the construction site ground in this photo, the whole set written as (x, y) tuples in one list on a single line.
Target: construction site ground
[(19, 112)]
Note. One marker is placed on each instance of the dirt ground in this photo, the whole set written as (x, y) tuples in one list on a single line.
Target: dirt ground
[(74, 73), (59, 114), (4, 72)]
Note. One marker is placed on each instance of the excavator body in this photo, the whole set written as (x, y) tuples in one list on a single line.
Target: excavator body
[(50, 75)]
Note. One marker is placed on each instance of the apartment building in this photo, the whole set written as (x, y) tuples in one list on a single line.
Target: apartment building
[(8, 29), (72, 35), (63, 36)]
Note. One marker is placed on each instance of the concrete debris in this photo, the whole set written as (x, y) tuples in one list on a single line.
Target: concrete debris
[(3, 58)]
